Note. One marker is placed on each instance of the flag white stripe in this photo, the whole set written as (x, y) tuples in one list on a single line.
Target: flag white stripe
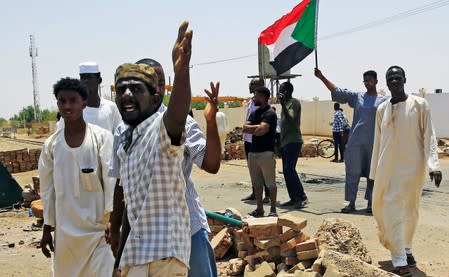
[(284, 40)]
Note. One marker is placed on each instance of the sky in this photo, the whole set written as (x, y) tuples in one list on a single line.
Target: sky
[(113, 32)]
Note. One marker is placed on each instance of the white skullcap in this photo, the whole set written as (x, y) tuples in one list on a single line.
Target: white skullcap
[(89, 67)]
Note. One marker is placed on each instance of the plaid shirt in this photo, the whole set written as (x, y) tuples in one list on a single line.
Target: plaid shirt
[(195, 148), (154, 189), (339, 122)]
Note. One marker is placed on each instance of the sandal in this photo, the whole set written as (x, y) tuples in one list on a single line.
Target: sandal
[(403, 271), (256, 213), (348, 209), (411, 260), (273, 214)]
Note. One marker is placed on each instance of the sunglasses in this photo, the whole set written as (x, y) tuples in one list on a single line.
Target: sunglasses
[(135, 87)]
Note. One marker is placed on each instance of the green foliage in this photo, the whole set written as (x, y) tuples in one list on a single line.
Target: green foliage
[(26, 114), (166, 99), (47, 115), (3, 122), (234, 104)]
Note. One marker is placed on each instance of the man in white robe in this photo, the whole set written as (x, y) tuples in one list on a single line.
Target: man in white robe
[(75, 189), (404, 149)]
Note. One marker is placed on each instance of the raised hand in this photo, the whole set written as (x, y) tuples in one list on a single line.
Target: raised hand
[(212, 101), (318, 73), (182, 49)]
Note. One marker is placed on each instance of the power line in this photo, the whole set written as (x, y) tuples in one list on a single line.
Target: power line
[(425, 8), (224, 60)]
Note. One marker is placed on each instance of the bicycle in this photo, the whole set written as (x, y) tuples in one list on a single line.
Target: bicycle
[(325, 148)]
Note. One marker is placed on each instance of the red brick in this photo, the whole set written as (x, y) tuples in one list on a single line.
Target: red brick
[(293, 222), (287, 235), (310, 244), (307, 255), (221, 243), (263, 228)]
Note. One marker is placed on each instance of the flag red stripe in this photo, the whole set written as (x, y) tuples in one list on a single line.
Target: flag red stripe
[(271, 34)]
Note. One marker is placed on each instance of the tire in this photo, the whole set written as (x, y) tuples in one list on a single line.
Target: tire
[(325, 148)]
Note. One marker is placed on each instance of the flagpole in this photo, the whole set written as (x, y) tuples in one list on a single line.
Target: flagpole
[(316, 33)]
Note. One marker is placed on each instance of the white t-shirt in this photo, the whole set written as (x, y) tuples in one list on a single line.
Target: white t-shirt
[(222, 122), (106, 116)]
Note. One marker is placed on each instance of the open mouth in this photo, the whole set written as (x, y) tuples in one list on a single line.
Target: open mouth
[(129, 107)]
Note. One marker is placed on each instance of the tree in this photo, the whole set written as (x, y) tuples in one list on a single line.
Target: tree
[(47, 115), (3, 121), (26, 114)]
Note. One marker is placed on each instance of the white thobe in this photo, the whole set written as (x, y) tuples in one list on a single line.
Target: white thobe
[(78, 204), (404, 149)]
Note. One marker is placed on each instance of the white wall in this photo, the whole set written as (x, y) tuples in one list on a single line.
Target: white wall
[(439, 107), (316, 117)]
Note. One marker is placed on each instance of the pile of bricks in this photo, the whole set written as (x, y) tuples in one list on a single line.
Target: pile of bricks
[(234, 145), (235, 151), (20, 160), (264, 244)]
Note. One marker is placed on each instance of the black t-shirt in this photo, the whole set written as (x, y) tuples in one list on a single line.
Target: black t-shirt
[(265, 142)]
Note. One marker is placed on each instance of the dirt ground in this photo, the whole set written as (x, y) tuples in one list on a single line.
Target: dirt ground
[(324, 184)]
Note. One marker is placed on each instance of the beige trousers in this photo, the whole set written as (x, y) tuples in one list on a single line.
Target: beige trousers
[(169, 267)]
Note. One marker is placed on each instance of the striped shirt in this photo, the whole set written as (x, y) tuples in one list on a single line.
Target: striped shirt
[(195, 148), (154, 190)]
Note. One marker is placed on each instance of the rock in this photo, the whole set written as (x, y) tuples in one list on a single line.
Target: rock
[(237, 266), (11, 245), (309, 150), (342, 236), (299, 273), (349, 265), (264, 270), (21, 242)]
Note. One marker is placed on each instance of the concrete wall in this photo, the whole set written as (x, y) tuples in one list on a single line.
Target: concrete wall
[(316, 117), (439, 107)]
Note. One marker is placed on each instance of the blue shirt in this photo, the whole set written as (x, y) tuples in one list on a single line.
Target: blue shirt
[(364, 119)]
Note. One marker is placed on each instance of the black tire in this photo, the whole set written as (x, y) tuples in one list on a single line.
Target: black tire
[(325, 148)]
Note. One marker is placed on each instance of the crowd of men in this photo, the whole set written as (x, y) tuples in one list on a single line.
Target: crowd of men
[(125, 166)]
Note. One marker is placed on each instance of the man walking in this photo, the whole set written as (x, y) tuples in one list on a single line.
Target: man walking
[(405, 149), (291, 143)]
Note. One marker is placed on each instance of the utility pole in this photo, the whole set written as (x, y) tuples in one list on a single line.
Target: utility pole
[(33, 55)]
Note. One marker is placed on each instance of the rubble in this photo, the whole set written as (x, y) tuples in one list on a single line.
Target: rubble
[(309, 150), (234, 148), (279, 247), (348, 265), (342, 236)]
